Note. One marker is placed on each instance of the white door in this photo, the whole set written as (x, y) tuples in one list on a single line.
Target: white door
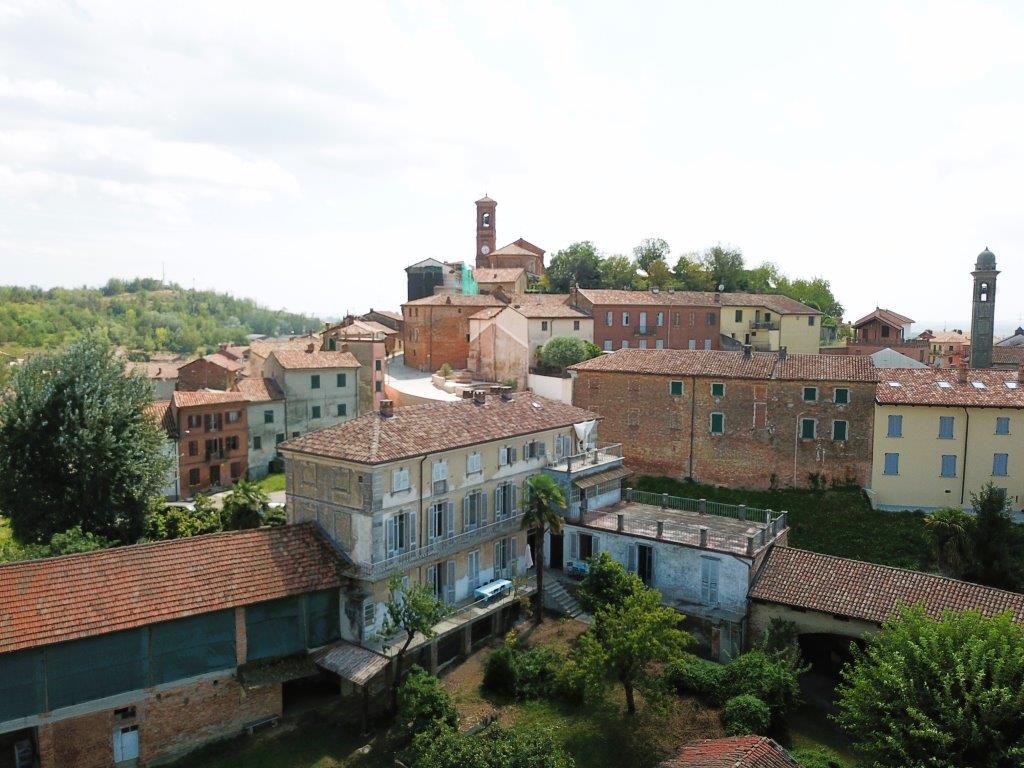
[(126, 744)]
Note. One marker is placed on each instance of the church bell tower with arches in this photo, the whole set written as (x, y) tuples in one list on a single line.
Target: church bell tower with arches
[(486, 239), (983, 312)]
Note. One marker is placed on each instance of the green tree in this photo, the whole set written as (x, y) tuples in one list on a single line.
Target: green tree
[(617, 272), (690, 274), (763, 279), (659, 275), (77, 447), (628, 641), (563, 351), (246, 506), (938, 694), (606, 582), (178, 522), (543, 504), (424, 704), (412, 611), (725, 266), (816, 292), (950, 531), (578, 264), (650, 250), (995, 541)]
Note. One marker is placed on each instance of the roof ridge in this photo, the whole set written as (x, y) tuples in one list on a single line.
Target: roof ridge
[(895, 568)]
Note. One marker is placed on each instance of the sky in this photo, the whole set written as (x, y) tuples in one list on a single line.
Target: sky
[(303, 154)]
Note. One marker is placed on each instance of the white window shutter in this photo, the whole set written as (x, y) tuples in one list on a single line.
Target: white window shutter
[(412, 530), (449, 586), (574, 546), (631, 559), (432, 577), (515, 456), (391, 536), (515, 500), (450, 519), (595, 546), (514, 554), (466, 517), (542, 450), (483, 509), (497, 503), (502, 456)]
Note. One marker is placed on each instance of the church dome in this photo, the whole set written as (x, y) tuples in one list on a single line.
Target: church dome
[(986, 260)]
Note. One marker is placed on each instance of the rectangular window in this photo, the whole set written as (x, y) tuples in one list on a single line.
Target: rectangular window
[(236, 470), (609, 318), (675, 318), (314, 381), (709, 581), (378, 386), (279, 438), (607, 345), (257, 442), (234, 417), (717, 389), (193, 477), (948, 465), (440, 476), (1002, 425), (643, 344), (810, 394), (193, 448), (895, 426), (739, 315), (543, 325), (625, 318), (840, 430), (691, 344), (659, 344), (400, 533), (342, 409), (474, 463), (625, 344), (717, 423), (808, 429), (342, 378), (473, 569), (643, 322), (376, 367), (711, 318), (675, 388), (810, 320), (661, 319), (474, 510), (892, 464), (1000, 464), (841, 396), (575, 325), (946, 427), (194, 421), (400, 480), (268, 417), (315, 412), (707, 343)]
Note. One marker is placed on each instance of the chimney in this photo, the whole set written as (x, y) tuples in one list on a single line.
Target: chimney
[(574, 293), (654, 289), (718, 298), (506, 393), (448, 300), (671, 290), (783, 353), (746, 351), (309, 348), (1020, 373), (961, 372), (387, 408), (479, 396), (467, 394)]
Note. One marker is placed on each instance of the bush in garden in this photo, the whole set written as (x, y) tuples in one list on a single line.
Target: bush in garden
[(499, 672), (817, 758), (423, 704), (770, 677), (691, 674), (523, 673), (746, 714)]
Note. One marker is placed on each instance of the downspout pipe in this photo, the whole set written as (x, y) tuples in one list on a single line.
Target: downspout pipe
[(963, 470)]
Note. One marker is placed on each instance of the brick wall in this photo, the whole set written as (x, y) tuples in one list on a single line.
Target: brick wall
[(203, 461), (435, 335), (202, 374), (680, 326), (170, 722), (665, 434)]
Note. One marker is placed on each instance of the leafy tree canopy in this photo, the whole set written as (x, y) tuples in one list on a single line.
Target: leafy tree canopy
[(77, 447), (578, 264), (617, 272), (495, 747), (562, 351), (995, 541), (650, 250), (938, 694), (246, 506), (606, 583)]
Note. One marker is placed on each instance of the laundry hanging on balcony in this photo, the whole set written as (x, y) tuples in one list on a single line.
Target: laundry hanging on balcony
[(585, 432)]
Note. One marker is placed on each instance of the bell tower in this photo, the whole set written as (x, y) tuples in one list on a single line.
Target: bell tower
[(485, 236), (983, 309)]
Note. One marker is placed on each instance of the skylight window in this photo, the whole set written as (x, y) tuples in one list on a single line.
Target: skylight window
[(978, 384), (1010, 384), (944, 384), (895, 384)]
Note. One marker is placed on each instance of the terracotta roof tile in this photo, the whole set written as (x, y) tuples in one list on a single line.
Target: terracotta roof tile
[(760, 365), (299, 359), (205, 397), (868, 591), (264, 347), (64, 598), (156, 370), (497, 274), (161, 412), (732, 752), (782, 305), (418, 429), (228, 363), (456, 299), (546, 305), (512, 250), (886, 316), (942, 386), (1007, 355), (258, 390)]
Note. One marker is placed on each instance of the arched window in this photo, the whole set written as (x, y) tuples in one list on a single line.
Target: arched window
[(486, 220), (983, 292)]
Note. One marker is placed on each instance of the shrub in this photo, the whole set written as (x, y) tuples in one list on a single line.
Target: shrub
[(495, 747), (817, 758), (781, 637), (691, 674), (525, 673), (562, 351), (446, 371), (746, 714), (173, 522), (770, 677), (423, 704), (606, 582), (499, 672)]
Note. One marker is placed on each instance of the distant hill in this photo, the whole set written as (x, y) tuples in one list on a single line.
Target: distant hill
[(143, 314)]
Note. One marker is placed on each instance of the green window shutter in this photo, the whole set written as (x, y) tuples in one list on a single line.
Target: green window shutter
[(675, 388)]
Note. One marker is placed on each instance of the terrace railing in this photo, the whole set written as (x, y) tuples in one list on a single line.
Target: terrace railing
[(701, 506)]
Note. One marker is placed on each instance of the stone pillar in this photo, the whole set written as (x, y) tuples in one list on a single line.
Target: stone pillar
[(784, 517), (743, 511), (664, 501), (703, 537), (432, 650), (661, 529), (620, 522), (750, 545), (467, 640), (702, 506)]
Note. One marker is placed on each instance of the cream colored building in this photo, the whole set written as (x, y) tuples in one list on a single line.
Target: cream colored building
[(942, 434), (427, 494), (503, 341), (769, 322)]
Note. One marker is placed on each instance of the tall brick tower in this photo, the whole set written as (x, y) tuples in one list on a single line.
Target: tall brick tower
[(485, 237), (984, 309)]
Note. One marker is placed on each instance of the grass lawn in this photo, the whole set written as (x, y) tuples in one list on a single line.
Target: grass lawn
[(835, 522), (272, 482)]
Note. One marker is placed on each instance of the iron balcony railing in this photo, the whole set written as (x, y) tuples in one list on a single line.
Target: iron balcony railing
[(764, 325), (700, 506), (439, 548), (588, 458)]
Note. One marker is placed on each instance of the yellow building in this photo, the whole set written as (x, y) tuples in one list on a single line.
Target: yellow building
[(769, 322), (429, 494), (940, 435)]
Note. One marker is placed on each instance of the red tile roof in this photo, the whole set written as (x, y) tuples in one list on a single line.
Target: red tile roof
[(433, 427), (887, 316), (1009, 356), (723, 364), (65, 598), (456, 300), (264, 347), (228, 363), (152, 370), (258, 390), (732, 752), (546, 305), (513, 250), (782, 305), (868, 591), (497, 274), (299, 359), (183, 399), (942, 386), (161, 412)]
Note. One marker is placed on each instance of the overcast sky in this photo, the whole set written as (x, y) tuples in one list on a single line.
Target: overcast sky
[(303, 154)]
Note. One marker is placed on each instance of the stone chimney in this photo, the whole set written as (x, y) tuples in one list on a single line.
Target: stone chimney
[(718, 298), (747, 352), (962, 372), (387, 408), (310, 347), (506, 393), (783, 353), (479, 396)]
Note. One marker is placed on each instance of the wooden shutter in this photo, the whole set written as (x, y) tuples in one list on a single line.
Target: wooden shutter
[(466, 517), (449, 519), (514, 505), (449, 586), (513, 555), (412, 530), (391, 535), (496, 569), (432, 577), (482, 514), (497, 503)]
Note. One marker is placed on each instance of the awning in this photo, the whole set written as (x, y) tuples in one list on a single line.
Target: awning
[(350, 662), (609, 475)]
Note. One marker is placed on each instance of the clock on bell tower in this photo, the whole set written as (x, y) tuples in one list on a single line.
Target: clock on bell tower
[(485, 235)]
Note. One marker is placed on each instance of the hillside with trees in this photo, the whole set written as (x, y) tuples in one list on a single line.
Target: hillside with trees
[(717, 267), (141, 314)]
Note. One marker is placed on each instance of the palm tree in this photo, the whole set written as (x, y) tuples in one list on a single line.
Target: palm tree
[(950, 532), (543, 502)]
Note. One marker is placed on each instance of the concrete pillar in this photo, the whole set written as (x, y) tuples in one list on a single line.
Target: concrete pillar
[(743, 511), (784, 517), (703, 537), (664, 501), (241, 639), (620, 522), (467, 640), (768, 514), (763, 536), (750, 545), (702, 506), (432, 650), (661, 529)]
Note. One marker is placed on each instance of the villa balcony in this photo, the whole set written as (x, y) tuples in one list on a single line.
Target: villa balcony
[(764, 325), (439, 548), (588, 459)]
